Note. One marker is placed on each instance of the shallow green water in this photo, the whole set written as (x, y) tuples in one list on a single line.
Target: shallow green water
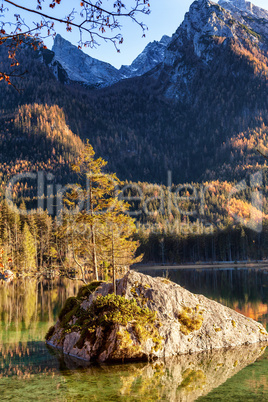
[(29, 370)]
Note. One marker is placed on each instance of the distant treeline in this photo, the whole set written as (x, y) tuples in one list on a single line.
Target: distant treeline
[(190, 223), (230, 244)]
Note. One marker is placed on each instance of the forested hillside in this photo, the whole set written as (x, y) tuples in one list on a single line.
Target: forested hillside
[(34, 138), (207, 133), (142, 134)]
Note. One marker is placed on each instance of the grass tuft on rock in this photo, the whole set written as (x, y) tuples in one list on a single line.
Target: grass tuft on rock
[(72, 304)]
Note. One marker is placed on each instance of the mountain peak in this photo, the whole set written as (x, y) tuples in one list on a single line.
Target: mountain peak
[(207, 28), (205, 24), (150, 57), (244, 7), (204, 19), (80, 67), (227, 19)]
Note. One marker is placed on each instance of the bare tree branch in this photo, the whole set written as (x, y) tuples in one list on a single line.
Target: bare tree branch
[(261, 153), (89, 18)]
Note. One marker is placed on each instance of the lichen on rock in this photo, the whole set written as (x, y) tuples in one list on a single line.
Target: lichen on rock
[(190, 319), (149, 318)]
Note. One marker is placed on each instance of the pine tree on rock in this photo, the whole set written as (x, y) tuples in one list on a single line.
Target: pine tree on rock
[(101, 232)]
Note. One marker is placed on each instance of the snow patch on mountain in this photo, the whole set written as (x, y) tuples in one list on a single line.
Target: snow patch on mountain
[(205, 27), (238, 6), (87, 70), (151, 56)]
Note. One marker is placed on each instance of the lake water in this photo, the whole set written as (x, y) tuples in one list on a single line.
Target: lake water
[(29, 370)]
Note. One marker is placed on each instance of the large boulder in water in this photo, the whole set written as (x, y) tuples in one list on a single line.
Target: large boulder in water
[(149, 318)]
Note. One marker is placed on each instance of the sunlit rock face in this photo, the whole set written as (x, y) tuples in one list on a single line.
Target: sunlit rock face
[(255, 18), (206, 28), (244, 7), (177, 322)]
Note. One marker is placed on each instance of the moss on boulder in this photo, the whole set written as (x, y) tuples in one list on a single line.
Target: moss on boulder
[(87, 290), (148, 319)]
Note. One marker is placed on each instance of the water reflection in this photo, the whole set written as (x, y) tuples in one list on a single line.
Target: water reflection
[(184, 378), (33, 368), (26, 359), (29, 370), (28, 306)]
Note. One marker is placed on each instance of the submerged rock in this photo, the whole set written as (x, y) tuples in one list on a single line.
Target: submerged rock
[(149, 318)]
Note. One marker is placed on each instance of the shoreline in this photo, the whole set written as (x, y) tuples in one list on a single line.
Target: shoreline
[(209, 265)]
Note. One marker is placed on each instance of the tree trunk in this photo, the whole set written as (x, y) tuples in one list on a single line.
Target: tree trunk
[(93, 238), (113, 263), (78, 263), (94, 254)]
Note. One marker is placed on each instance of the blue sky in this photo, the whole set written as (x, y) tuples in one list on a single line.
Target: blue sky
[(163, 20)]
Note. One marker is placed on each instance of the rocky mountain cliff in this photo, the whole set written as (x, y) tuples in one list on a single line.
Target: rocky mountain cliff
[(206, 28), (243, 8), (80, 67), (200, 33), (150, 57)]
